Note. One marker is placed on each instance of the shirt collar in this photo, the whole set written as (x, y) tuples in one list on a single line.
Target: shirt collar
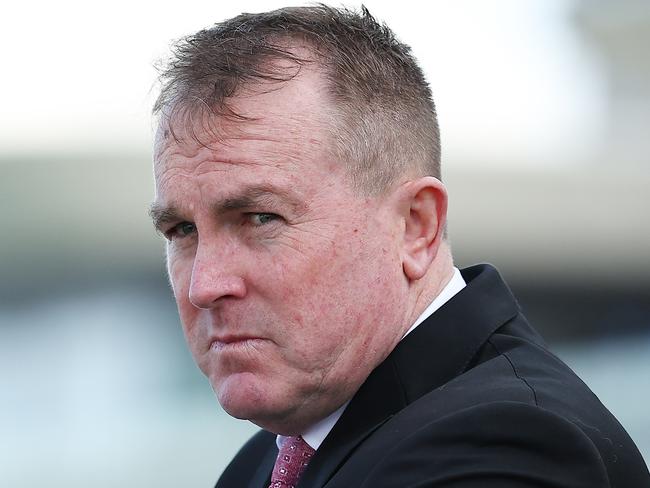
[(315, 435)]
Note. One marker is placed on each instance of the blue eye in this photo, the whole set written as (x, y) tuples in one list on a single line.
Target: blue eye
[(185, 228), (181, 230), (259, 219)]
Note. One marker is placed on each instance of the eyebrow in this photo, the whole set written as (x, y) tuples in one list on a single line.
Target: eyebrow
[(162, 214), (248, 197)]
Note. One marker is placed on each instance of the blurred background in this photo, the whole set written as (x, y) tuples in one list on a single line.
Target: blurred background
[(544, 107)]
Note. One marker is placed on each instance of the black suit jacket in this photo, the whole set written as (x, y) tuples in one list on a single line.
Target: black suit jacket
[(471, 398)]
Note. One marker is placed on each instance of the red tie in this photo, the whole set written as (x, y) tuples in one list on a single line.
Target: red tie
[(291, 462)]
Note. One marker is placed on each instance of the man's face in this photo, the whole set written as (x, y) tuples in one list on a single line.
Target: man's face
[(288, 282)]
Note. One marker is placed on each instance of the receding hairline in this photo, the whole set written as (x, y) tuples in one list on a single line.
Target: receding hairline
[(297, 57), (386, 120), (288, 55), (212, 131)]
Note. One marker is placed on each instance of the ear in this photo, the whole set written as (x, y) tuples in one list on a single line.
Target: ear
[(423, 204)]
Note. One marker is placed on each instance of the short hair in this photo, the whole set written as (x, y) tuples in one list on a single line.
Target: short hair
[(386, 125)]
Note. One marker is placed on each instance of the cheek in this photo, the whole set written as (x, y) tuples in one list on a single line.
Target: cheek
[(179, 271), (367, 284), (179, 268), (344, 283)]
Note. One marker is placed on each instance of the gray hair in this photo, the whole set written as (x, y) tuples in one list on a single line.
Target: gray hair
[(386, 121)]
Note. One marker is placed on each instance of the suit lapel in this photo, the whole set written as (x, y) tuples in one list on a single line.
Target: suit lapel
[(262, 476)]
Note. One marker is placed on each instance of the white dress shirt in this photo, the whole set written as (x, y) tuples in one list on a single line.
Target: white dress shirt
[(315, 435)]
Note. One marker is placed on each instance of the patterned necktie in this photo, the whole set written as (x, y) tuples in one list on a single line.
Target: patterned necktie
[(291, 462)]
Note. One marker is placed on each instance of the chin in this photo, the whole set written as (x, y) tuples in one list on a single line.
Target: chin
[(242, 396), (245, 397)]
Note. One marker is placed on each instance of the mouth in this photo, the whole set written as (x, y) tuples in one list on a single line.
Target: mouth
[(235, 342)]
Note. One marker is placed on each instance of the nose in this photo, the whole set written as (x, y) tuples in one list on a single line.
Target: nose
[(214, 277)]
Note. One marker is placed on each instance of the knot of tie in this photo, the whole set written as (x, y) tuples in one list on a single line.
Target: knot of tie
[(292, 460)]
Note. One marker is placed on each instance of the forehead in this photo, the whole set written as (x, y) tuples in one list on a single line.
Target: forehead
[(302, 100), (284, 129)]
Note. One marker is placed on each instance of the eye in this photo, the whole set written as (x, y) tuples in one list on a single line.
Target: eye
[(180, 230), (262, 218)]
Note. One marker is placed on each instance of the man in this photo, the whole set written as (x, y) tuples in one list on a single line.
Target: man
[(297, 167)]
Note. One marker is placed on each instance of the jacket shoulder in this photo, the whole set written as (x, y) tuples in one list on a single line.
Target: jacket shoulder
[(497, 444)]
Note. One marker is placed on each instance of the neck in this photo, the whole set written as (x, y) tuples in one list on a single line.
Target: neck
[(427, 288)]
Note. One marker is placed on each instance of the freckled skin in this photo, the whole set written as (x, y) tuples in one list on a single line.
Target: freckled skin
[(321, 287)]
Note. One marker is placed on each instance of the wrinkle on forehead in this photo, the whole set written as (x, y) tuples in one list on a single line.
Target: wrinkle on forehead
[(281, 147), (270, 127), (209, 164), (261, 151)]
